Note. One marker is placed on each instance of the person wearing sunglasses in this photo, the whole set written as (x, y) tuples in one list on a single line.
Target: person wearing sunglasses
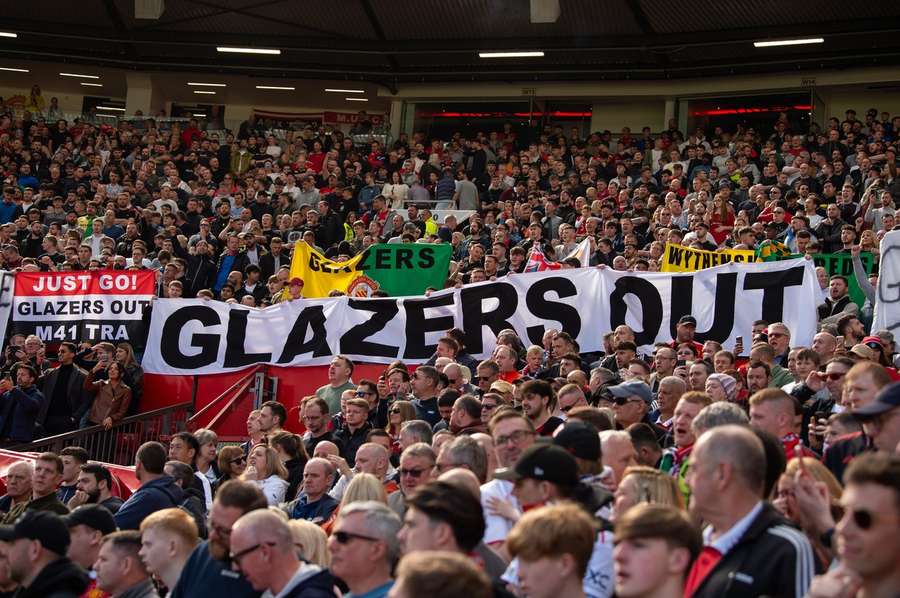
[(232, 463), (364, 548), (262, 551), (416, 468), (866, 539), (631, 402)]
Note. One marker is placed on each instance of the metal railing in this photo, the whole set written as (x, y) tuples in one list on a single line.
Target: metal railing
[(118, 444)]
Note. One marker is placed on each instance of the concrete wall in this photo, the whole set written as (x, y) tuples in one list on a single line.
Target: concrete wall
[(613, 115)]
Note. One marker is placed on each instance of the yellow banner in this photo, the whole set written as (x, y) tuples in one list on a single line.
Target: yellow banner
[(678, 258), (321, 275)]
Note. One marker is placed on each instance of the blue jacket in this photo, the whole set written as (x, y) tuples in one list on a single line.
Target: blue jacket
[(18, 412), (205, 576), (161, 493)]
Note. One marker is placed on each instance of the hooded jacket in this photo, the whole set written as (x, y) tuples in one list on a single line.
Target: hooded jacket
[(60, 579), (161, 493), (310, 581)]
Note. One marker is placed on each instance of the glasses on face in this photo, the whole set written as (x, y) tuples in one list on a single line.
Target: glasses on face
[(487, 406), (834, 377), (394, 412), (237, 556), (862, 519), (413, 473), (483, 378), (776, 334), (224, 532), (515, 437), (343, 537), (361, 393)]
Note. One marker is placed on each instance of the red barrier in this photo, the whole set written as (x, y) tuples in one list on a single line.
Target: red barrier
[(124, 480), (294, 383)]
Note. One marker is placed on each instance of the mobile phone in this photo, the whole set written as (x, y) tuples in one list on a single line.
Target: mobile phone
[(817, 417), (739, 340), (680, 363)]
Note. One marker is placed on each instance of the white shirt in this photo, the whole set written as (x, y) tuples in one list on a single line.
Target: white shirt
[(730, 538), (497, 527)]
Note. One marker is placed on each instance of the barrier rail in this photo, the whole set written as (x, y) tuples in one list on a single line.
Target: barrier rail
[(118, 444)]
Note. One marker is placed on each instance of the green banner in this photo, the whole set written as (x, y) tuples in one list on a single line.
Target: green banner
[(842, 264), (407, 268)]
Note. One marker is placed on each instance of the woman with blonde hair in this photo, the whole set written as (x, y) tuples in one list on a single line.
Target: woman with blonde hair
[(364, 486), (641, 484), (267, 471), (310, 542), (786, 501)]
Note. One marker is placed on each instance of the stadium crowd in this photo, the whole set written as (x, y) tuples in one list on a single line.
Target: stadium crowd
[(541, 471)]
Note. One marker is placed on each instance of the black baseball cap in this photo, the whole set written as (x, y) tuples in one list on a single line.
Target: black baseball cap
[(888, 398), (688, 320), (93, 516), (579, 439), (47, 528), (544, 462)]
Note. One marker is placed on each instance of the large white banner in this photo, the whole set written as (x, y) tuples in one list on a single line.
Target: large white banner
[(195, 336), (887, 298)]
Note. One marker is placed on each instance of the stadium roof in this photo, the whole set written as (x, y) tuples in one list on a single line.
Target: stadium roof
[(390, 42)]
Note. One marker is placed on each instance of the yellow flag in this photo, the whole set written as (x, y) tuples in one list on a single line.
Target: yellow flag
[(321, 275), (678, 258)]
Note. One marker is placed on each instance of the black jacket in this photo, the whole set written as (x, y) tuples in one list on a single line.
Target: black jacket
[(318, 585), (60, 579), (770, 559), (75, 392), (351, 441)]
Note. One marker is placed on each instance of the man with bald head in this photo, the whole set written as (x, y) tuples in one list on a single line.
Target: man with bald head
[(370, 458), (325, 449), (750, 550), (314, 504), (262, 551), (824, 344)]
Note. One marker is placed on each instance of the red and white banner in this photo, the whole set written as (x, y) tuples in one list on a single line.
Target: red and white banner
[(96, 306)]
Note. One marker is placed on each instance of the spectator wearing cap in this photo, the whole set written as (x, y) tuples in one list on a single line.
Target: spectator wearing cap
[(881, 418), (684, 333), (632, 402), (37, 544), (582, 440), (721, 387), (547, 474), (750, 550), (538, 405), (120, 570), (87, 525)]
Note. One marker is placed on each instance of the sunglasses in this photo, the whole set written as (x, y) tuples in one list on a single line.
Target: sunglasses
[(835, 377), (343, 537), (413, 473), (394, 411), (238, 460), (862, 519), (362, 393)]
